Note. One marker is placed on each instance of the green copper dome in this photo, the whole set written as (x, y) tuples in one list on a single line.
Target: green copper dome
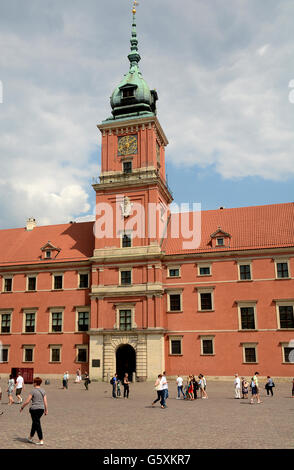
[(132, 98)]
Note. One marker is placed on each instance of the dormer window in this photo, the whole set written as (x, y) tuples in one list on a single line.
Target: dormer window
[(220, 238), (48, 254), (49, 251), (128, 92)]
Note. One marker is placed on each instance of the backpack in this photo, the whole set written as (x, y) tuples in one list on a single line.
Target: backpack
[(111, 381)]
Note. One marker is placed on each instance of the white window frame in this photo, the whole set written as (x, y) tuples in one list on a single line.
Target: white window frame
[(283, 303), (207, 338), (204, 265), (282, 260), (283, 345), (130, 234), (244, 263), (6, 312), (25, 347), (126, 306), (169, 268), (125, 269), (244, 304), (25, 312), (3, 283), (170, 292), (205, 290), (84, 347), (56, 310), (53, 277), (80, 310), (28, 276), (250, 345), (4, 346), (79, 279), (175, 338), (217, 241), (55, 346)]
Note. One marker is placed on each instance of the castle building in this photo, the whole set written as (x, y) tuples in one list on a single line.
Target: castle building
[(144, 289)]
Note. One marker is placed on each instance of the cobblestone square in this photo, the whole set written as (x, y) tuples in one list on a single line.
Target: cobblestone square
[(80, 419)]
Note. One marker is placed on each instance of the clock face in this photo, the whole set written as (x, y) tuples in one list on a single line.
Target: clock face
[(127, 145)]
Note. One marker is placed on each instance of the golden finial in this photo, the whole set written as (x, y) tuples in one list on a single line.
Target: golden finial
[(135, 4)]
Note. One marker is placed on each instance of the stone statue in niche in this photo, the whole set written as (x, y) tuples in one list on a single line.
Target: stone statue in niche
[(126, 207)]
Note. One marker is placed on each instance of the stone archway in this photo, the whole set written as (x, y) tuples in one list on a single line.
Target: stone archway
[(125, 361)]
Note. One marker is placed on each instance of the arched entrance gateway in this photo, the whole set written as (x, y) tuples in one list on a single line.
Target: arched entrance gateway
[(125, 361)]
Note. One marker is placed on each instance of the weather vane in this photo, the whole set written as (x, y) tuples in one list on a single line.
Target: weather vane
[(135, 4)]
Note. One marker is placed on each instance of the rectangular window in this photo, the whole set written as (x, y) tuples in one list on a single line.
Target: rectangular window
[(55, 354), (5, 322), (48, 254), (245, 272), (32, 282), (30, 319), (125, 320), (286, 316), (3, 354), (174, 272), (57, 282), (126, 240), (56, 322), (84, 281), (28, 354), (204, 271), (207, 346), (247, 318), (206, 301), (282, 270), (250, 354), (8, 284), (287, 352), (176, 346), (220, 241), (128, 92), (127, 167), (126, 278), (83, 321), (81, 355), (175, 302)]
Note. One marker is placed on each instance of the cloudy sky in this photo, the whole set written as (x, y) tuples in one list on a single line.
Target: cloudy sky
[(223, 70)]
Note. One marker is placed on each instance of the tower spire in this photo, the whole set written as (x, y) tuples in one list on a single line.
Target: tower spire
[(134, 56)]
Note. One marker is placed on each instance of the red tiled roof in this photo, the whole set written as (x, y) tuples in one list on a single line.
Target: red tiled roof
[(19, 246), (252, 227)]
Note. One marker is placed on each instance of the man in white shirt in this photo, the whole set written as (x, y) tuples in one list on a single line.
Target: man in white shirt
[(237, 384), (164, 390), (180, 387), (19, 386)]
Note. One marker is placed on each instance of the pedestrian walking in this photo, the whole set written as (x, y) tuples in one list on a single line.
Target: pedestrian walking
[(165, 386), (18, 388), (113, 382), (245, 388), (237, 385), (126, 385), (190, 389), (65, 381), (269, 386), (255, 389), (164, 391), (202, 384), (180, 387), (78, 376), (87, 381), (118, 384), (195, 386), (38, 407), (11, 385), (158, 389)]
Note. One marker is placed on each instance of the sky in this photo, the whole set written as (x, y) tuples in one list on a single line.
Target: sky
[(223, 71)]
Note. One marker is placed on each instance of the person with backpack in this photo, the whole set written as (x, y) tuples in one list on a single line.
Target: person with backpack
[(87, 380), (113, 382)]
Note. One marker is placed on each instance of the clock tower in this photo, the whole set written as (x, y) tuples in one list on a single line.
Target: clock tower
[(132, 200)]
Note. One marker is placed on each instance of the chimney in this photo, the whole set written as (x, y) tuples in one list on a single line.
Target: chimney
[(31, 224)]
